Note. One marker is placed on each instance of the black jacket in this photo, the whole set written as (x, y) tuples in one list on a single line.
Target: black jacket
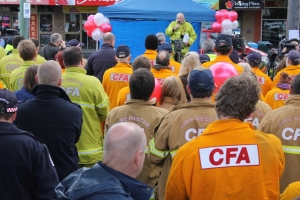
[(100, 61), (102, 182), (49, 51), (26, 170), (52, 117)]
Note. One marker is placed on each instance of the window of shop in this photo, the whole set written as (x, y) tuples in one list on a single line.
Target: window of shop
[(46, 28), (274, 21), (74, 29)]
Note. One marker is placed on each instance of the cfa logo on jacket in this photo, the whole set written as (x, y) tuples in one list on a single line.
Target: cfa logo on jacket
[(119, 77), (280, 97), (229, 156)]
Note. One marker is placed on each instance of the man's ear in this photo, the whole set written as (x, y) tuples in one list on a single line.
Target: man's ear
[(138, 158), (231, 49), (250, 116), (188, 89), (36, 78), (291, 90)]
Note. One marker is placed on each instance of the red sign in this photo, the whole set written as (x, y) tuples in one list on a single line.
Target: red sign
[(33, 2), (33, 26), (82, 2)]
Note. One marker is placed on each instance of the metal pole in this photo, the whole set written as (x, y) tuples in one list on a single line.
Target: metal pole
[(22, 19), (293, 16)]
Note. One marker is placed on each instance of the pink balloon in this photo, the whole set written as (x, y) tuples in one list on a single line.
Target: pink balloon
[(91, 18), (157, 91), (225, 12), (89, 25), (232, 15), (221, 72), (106, 27), (216, 27), (220, 16), (89, 33)]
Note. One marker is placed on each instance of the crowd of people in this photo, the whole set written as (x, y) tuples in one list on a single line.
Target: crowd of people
[(110, 127)]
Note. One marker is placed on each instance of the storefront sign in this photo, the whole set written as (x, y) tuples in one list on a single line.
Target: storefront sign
[(80, 9), (26, 10), (32, 2), (83, 2), (245, 4), (33, 26)]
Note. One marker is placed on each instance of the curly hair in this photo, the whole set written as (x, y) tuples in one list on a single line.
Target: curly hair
[(237, 97)]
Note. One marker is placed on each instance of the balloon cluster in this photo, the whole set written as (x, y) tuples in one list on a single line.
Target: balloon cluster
[(226, 21), (97, 25)]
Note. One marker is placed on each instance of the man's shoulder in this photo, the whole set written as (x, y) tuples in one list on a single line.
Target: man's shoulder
[(97, 184)]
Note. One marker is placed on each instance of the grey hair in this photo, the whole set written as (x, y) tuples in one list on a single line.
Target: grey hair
[(55, 37), (208, 45), (161, 36), (49, 73)]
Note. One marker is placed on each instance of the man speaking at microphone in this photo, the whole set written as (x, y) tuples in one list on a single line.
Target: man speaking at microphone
[(179, 29)]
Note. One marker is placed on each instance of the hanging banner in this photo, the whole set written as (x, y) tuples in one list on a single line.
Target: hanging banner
[(80, 9), (245, 4), (33, 26), (82, 2), (32, 2)]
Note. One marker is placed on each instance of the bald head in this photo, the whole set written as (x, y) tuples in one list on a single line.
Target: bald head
[(180, 17), (49, 73), (124, 147), (163, 58), (109, 38)]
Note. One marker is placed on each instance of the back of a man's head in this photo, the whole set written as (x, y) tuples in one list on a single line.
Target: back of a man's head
[(201, 83), (124, 148), (27, 50), (35, 41), (163, 58), (295, 87), (49, 73), (223, 44), (208, 45), (141, 62), (254, 59), (16, 40), (161, 37), (8, 105), (108, 37), (238, 96), (294, 57), (72, 57), (141, 84), (151, 42), (55, 37)]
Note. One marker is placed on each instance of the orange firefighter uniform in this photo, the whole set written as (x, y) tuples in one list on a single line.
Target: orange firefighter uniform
[(229, 160), (284, 123)]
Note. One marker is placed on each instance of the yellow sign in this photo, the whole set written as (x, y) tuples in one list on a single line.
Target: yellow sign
[(80, 9)]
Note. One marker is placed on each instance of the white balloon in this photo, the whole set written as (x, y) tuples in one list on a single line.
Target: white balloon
[(235, 24), (99, 19), (227, 31), (226, 24), (97, 34), (106, 20)]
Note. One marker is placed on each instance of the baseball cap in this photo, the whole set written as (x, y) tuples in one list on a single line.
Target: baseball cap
[(224, 38), (123, 51), (234, 57), (9, 100), (293, 55), (254, 57), (166, 47), (204, 58), (74, 43), (201, 80)]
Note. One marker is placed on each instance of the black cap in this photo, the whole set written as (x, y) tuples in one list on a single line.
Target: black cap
[(123, 51), (74, 43), (224, 40), (9, 100)]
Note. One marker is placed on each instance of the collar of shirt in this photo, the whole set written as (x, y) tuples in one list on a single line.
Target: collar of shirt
[(225, 125), (293, 99), (148, 51), (142, 102), (75, 69), (121, 64)]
